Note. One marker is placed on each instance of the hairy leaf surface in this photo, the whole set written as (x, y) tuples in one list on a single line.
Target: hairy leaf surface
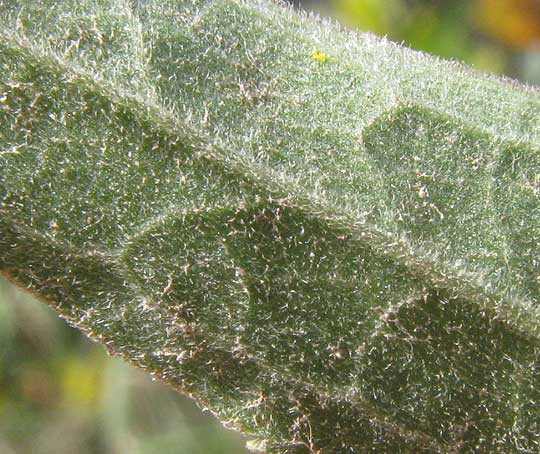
[(329, 240)]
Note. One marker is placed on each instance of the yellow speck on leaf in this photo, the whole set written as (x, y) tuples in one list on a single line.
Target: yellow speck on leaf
[(320, 56)]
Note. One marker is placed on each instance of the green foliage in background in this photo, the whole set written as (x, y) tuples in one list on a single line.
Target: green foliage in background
[(493, 35), (442, 27), (327, 239)]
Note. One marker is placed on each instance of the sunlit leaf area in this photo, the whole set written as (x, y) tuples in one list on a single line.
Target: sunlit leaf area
[(61, 393)]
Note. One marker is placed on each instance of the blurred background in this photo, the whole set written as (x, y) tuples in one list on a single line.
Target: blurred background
[(60, 393), (501, 36)]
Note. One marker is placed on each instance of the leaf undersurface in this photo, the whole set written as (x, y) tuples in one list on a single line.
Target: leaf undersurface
[(329, 240)]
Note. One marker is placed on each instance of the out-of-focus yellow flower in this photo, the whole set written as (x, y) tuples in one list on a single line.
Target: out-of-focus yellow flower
[(80, 383), (368, 15), (514, 22)]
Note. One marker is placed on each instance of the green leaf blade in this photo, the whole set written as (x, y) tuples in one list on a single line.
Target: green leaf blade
[(328, 240)]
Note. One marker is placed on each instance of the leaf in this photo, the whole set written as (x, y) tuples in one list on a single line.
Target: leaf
[(333, 256)]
